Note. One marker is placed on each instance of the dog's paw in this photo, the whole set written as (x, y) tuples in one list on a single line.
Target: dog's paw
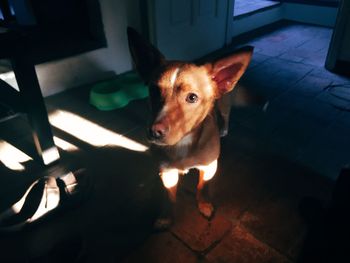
[(162, 224), (206, 209)]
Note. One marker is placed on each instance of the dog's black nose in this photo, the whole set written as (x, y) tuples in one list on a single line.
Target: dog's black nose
[(158, 131)]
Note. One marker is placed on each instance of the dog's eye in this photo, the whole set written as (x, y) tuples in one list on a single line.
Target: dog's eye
[(191, 98)]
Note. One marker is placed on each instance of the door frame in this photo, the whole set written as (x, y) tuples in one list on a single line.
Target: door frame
[(148, 23)]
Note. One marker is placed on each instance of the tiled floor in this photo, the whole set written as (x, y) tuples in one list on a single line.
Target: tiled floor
[(246, 6), (270, 162)]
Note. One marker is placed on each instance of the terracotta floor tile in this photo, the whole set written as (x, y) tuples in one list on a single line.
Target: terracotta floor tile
[(241, 247), (162, 248), (197, 232)]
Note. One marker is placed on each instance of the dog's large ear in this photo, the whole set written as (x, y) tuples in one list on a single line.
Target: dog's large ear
[(145, 56), (227, 71)]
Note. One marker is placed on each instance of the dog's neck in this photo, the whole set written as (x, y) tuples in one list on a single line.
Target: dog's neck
[(188, 142), (199, 146), (183, 146)]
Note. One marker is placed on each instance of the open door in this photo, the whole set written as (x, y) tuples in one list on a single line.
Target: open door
[(188, 29)]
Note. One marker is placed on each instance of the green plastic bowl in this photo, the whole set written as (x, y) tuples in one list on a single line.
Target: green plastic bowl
[(117, 92)]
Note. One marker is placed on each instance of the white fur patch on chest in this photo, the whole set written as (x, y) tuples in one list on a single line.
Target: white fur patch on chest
[(186, 140), (182, 146)]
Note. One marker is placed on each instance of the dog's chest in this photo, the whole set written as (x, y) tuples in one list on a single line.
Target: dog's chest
[(182, 148), (197, 148)]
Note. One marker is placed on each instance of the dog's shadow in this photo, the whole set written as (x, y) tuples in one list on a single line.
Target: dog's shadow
[(120, 209)]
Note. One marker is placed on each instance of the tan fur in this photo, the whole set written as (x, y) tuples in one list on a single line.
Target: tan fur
[(192, 139), (179, 116), (185, 133)]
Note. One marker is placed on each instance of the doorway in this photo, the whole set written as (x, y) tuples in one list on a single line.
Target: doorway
[(242, 7)]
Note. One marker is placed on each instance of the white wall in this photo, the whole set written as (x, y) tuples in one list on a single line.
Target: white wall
[(95, 65)]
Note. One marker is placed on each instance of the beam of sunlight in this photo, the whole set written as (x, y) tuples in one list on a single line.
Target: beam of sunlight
[(209, 170), (16, 208), (12, 157), (9, 78), (7, 75), (50, 155), (90, 132), (19, 204), (50, 197), (64, 145), (170, 177)]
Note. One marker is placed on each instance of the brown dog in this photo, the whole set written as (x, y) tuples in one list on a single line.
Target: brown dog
[(187, 105)]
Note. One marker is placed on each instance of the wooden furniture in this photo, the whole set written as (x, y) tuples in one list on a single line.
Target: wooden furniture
[(43, 31), (14, 46)]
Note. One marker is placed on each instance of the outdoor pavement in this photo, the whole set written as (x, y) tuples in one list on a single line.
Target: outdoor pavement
[(242, 7)]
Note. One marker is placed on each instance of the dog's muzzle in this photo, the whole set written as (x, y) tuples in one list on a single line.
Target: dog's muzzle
[(158, 132)]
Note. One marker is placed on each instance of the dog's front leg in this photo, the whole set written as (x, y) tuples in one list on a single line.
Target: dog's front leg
[(205, 174), (169, 178)]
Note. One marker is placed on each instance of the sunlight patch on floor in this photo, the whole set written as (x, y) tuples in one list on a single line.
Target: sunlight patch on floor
[(91, 132), (64, 145), (12, 157), (10, 78)]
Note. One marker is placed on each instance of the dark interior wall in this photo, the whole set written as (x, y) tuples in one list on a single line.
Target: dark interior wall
[(345, 47), (80, 69), (338, 57)]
